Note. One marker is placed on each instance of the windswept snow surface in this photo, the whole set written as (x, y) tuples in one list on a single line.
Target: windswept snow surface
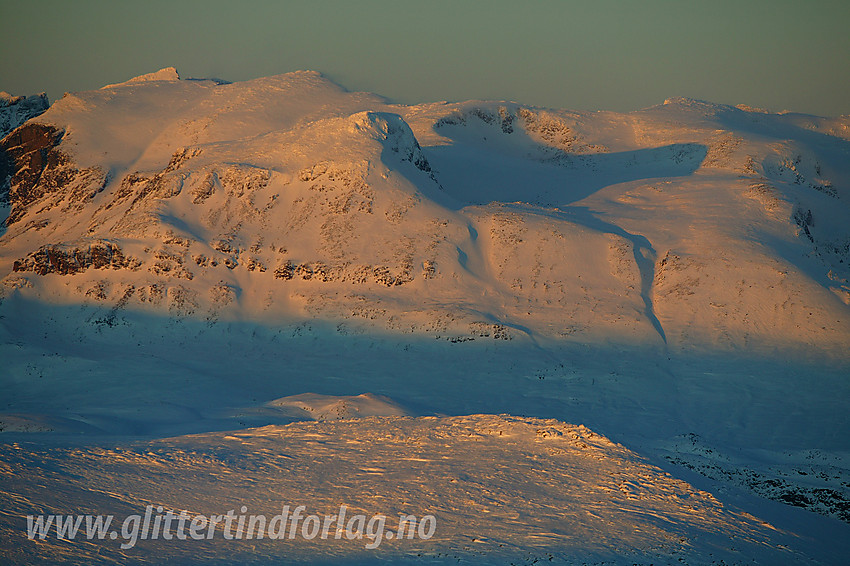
[(280, 292), (502, 489)]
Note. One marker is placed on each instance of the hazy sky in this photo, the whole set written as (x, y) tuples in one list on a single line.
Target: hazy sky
[(584, 55)]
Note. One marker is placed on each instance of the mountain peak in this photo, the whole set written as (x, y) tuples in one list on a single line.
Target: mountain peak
[(165, 74)]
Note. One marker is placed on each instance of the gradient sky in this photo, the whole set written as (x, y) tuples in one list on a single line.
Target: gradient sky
[(589, 55)]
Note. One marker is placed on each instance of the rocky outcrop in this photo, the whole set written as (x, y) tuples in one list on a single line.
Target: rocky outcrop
[(35, 168), (395, 134), (67, 260), (345, 273), (554, 138), (24, 155)]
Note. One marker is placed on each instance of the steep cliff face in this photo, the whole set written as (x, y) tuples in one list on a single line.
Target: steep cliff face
[(39, 171), (683, 225), (14, 111)]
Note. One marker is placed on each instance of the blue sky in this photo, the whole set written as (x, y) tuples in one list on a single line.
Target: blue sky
[(599, 55)]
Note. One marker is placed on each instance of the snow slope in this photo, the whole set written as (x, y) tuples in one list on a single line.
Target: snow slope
[(503, 488), (189, 256)]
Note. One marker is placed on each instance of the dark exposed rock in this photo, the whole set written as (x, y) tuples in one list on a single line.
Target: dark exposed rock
[(254, 264), (66, 260), (285, 271), (168, 263), (205, 189), (24, 155), (804, 220), (166, 184), (320, 271), (180, 157), (35, 168), (14, 111)]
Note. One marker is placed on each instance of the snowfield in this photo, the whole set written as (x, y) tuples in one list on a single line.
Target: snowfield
[(502, 489), (570, 337)]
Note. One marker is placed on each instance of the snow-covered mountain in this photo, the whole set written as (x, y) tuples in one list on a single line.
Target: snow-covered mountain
[(687, 224), (189, 256)]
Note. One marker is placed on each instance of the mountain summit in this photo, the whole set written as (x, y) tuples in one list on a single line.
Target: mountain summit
[(166, 74)]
